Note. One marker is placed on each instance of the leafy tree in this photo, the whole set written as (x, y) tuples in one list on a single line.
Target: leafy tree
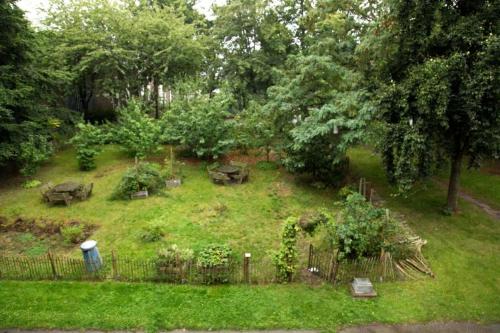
[(33, 152), (28, 88), (142, 176), (255, 129), (200, 123), (135, 131), (440, 96), (87, 142)]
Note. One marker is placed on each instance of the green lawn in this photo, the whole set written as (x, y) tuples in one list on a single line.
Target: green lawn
[(250, 221), (463, 251)]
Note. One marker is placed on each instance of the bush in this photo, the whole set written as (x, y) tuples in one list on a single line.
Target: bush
[(287, 257), (174, 254), (152, 233), (214, 255), (173, 262), (31, 183), (135, 131), (73, 234), (214, 261), (364, 230), (33, 152), (143, 176), (87, 142), (201, 125)]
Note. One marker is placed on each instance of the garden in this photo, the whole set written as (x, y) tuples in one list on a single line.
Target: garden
[(252, 165)]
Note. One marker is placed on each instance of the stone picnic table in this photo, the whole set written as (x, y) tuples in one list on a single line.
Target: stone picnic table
[(66, 192), (233, 173)]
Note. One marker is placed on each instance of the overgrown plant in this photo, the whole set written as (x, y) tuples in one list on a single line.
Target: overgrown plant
[(142, 176), (200, 124), (87, 143), (33, 152), (214, 262), (287, 257), (136, 132), (362, 230)]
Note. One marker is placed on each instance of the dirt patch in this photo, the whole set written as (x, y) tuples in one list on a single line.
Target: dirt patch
[(43, 227), (282, 189), (252, 157)]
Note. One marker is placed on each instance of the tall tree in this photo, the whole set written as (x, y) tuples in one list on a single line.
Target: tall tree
[(441, 91)]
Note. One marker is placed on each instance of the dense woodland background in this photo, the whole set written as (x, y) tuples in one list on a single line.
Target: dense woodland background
[(300, 80)]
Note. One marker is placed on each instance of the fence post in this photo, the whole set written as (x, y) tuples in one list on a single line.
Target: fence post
[(371, 194), (309, 261), (246, 267), (52, 265), (113, 265), (360, 185), (335, 268)]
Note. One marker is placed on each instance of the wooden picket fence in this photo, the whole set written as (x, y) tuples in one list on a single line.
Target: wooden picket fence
[(118, 268), (326, 265)]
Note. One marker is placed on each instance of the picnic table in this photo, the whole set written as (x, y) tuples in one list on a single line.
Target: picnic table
[(66, 192), (233, 173)]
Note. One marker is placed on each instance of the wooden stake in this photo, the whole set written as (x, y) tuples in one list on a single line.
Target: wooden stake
[(113, 264), (246, 267), (52, 265)]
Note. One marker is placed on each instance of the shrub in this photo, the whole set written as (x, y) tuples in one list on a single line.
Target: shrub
[(173, 262), (73, 234), (33, 152), (214, 261), (87, 142), (364, 230), (135, 131), (152, 233), (287, 257), (31, 183), (201, 125), (143, 176), (174, 254), (214, 255)]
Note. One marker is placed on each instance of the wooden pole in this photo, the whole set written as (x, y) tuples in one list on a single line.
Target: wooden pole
[(371, 194), (113, 265), (360, 186), (52, 265), (309, 261), (246, 267)]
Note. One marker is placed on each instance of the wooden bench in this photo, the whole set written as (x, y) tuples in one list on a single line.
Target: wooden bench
[(242, 176)]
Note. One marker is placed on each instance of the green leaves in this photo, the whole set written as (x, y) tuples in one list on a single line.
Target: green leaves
[(135, 131), (87, 142), (287, 258)]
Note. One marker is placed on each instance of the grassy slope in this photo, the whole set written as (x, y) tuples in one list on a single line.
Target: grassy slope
[(463, 251), (251, 221)]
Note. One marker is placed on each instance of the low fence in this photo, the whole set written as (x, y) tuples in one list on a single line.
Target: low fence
[(248, 269), (52, 267), (383, 268)]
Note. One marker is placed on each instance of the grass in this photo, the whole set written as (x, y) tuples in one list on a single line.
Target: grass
[(248, 217), (462, 249)]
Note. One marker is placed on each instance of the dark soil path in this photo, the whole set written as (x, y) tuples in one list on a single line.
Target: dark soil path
[(467, 197)]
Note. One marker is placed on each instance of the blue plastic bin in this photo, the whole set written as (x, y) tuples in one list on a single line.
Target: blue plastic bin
[(91, 256)]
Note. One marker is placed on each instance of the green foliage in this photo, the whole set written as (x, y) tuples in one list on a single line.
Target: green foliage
[(200, 124), (152, 233), (87, 142), (254, 128), (363, 230), (438, 88), (310, 221), (214, 255), (135, 131), (32, 183), (73, 234), (143, 176), (33, 152), (174, 255), (287, 258)]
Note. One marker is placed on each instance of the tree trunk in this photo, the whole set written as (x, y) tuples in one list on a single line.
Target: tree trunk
[(456, 165), (156, 88)]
